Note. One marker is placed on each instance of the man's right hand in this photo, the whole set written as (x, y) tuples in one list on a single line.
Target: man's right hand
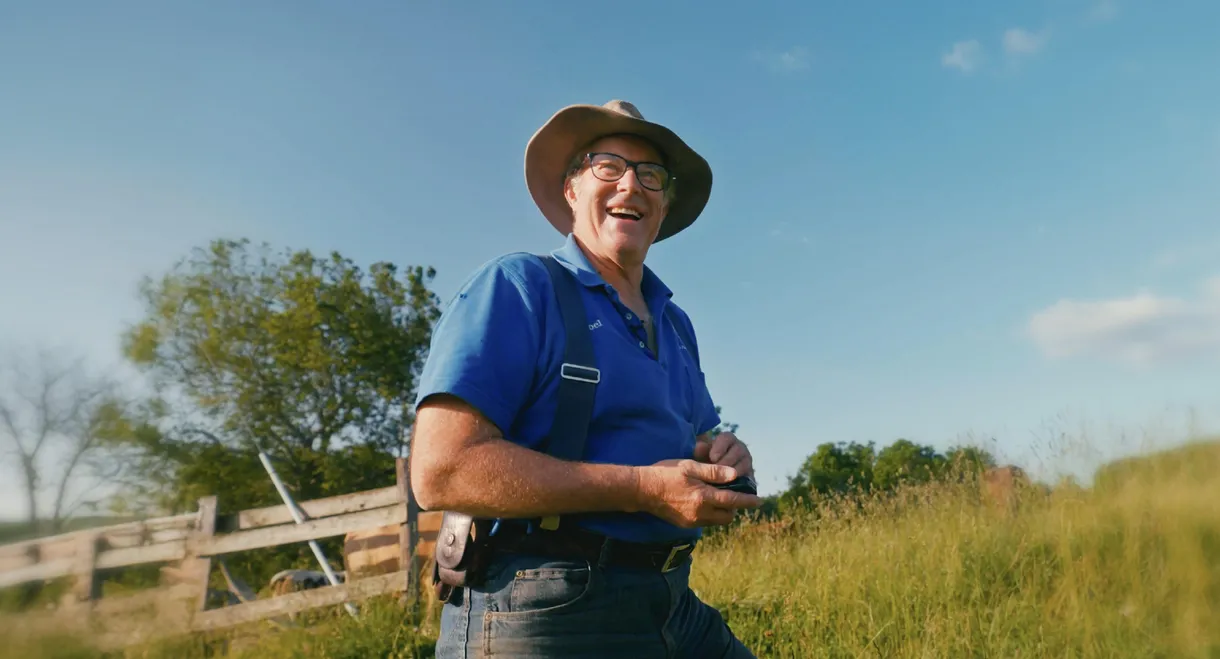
[(683, 493)]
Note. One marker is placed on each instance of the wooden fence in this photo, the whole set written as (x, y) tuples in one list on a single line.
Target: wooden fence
[(190, 544)]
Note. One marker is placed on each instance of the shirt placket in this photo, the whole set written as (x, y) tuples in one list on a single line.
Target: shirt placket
[(634, 324)]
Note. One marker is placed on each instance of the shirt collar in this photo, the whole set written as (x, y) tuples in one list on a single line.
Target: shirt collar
[(571, 257)]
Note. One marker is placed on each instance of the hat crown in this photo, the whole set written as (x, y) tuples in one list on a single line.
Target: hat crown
[(624, 107)]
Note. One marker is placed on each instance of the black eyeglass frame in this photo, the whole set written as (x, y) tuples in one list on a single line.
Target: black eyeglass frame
[(634, 166)]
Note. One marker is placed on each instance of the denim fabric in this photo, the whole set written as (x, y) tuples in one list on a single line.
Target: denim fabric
[(542, 607)]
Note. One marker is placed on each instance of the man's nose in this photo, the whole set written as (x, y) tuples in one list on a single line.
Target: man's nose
[(629, 183)]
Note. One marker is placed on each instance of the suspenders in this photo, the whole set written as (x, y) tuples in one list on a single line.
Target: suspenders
[(462, 550), (579, 375), (459, 561)]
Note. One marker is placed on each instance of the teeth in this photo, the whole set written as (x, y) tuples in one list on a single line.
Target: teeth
[(625, 211)]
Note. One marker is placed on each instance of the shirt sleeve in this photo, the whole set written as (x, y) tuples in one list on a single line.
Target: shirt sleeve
[(485, 345), (706, 416)]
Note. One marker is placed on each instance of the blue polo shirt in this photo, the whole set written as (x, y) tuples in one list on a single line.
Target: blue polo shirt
[(498, 346)]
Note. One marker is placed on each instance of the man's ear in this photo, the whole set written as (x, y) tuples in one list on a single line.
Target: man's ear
[(569, 192)]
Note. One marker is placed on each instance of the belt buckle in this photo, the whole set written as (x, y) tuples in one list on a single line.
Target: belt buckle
[(669, 564)]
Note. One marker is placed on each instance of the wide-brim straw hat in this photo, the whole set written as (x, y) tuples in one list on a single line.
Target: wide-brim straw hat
[(554, 146)]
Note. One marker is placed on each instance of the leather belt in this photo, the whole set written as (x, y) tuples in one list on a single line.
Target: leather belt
[(594, 547)]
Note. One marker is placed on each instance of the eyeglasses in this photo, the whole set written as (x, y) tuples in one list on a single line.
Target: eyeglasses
[(611, 167)]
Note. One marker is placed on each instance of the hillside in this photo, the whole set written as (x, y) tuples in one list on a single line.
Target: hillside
[(1128, 569)]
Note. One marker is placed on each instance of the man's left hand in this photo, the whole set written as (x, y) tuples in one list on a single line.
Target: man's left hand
[(725, 449)]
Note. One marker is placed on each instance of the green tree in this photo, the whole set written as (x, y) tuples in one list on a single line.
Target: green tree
[(833, 469), (905, 462), (309, 359), (840, 469), (968, 461)]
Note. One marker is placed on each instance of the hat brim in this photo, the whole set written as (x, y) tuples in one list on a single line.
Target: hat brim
[(554, 145)]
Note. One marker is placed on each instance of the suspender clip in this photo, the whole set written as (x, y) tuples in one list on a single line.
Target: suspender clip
[(580, 373)]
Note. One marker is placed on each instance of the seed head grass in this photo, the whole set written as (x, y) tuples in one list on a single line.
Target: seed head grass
[(1128, 567)]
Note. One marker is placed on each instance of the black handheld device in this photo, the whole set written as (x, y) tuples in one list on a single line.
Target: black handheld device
[(742, 483)]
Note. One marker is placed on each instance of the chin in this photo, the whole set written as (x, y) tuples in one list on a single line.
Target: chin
[(633, 241)]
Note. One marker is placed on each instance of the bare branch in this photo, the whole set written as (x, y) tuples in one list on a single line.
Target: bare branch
[(47, 409), (206, 434)]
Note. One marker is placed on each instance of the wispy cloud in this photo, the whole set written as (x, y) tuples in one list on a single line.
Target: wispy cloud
[(1143, 329), (1019, 41), (966, 56), (792, 60), (969, 56)]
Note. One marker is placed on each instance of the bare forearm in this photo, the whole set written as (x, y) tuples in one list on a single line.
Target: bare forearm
[(496, 478)]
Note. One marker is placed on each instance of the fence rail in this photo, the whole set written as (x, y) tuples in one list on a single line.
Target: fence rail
[(192, 542)]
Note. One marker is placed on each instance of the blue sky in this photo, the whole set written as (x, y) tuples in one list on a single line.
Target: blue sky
[(932, 220)]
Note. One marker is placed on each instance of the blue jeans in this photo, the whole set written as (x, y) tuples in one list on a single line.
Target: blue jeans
[(532, 606)]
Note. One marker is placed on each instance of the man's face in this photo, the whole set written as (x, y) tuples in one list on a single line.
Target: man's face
[(618, 218)]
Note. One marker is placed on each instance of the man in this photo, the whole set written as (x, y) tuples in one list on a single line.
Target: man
[(611, 581)]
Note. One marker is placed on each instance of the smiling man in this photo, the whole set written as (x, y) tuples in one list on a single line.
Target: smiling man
[(587, 557)]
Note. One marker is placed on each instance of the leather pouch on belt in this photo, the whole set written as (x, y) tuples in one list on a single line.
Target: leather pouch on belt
[(462, 552)]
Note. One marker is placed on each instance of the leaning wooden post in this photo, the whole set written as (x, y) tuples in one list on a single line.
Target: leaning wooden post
[(407, 533), (86, 587), (200, 568)]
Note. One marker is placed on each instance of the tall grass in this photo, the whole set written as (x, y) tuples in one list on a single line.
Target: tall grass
[(1130, 568)]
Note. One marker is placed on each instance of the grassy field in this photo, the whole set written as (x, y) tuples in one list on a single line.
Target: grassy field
[(1130, 568)]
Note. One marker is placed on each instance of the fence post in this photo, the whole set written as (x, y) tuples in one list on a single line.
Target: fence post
[(408, 533), (199, 568), (86, 587)]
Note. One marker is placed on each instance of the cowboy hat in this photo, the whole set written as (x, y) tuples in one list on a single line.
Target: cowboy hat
[(554, 146)]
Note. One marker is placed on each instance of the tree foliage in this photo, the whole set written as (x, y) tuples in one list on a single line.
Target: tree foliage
[(905, 461), (834, 468), (309, 359), (850, 468)]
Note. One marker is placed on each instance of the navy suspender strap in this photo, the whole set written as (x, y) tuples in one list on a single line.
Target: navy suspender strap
[(578, 375)]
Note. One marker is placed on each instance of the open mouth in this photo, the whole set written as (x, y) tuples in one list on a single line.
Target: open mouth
[(624, 213)]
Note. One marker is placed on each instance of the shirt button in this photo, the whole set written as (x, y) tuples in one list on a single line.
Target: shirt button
[(629, 316), (641, 344)]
